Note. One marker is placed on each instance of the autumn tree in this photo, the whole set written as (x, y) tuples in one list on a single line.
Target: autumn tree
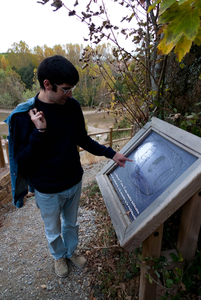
[(73, 53), (4, 63), (21, 60), (11, 88), (19, 55), (38, 55), (59, 50), (27, 74)]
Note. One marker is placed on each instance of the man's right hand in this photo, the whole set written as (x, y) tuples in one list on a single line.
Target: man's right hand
[(38, 118)]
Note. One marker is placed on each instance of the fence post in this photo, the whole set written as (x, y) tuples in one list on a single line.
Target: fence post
[(7, 150), (110, 138), (2, 160), (131, 131)]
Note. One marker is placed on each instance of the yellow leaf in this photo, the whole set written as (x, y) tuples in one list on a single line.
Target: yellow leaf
[(164, 48), (153, 5), (182, 47)]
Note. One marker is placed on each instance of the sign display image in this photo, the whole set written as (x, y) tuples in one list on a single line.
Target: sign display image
[(156, 164)]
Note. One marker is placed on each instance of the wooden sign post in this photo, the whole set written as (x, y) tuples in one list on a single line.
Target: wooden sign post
[(165, 175), (190, 227), (151, 248), (187, 244)]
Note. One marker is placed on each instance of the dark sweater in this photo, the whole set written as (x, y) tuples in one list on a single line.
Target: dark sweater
[(51, 159)]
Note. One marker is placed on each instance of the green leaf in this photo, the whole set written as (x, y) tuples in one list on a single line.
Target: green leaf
[(191, 116), (198, 4), (183, 20), (179, 271), (180, 255), (174, 257), (181, 26), (140, 257), (158, 275), (157, 104), (176, 280), (169, 283), (197, 39), (169, 15), (181, 1), (165, 4), (150, 280)]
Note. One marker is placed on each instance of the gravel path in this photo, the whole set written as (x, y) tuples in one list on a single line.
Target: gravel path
[(26, 266)]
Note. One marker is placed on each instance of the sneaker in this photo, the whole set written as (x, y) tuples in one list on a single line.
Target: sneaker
[(61, 267), (78, 260)]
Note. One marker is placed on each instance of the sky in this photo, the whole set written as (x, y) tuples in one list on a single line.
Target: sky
[(37, 24)]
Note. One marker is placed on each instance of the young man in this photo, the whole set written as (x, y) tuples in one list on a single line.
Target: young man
[(43, 136)]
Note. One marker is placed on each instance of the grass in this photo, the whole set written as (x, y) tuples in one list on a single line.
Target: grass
[(99, 120), (3, 116)]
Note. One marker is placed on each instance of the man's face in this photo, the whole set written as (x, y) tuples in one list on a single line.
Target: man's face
[(62, 93)]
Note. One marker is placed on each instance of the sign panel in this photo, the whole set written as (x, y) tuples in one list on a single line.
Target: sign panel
[(157, 163), (164, 174)]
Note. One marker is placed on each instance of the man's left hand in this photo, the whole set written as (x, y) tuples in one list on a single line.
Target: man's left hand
[(120, 159)]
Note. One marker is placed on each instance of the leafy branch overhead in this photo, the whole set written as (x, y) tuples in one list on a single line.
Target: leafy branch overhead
[(56, 3), (180, 25), (144, 80)]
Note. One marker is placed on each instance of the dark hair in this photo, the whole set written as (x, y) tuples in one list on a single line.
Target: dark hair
[(57, 69)]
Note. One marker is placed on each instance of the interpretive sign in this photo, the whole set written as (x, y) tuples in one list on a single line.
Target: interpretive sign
[(156, 164), (164, 174)]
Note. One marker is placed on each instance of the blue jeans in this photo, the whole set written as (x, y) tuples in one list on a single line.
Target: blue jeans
[(59, 213)]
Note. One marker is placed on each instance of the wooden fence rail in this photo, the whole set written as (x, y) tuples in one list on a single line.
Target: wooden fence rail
[(110, 142), (110, 131)]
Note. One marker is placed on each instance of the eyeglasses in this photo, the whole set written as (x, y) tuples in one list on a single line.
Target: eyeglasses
[(67, 90)]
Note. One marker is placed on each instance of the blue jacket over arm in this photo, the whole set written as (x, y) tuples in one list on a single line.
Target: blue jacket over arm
[(19, 182)]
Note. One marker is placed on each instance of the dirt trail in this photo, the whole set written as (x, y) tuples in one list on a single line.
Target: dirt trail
[(26, 266)]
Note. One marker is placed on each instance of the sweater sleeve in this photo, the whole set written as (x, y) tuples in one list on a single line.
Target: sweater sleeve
[(28, 142), (87, 143)]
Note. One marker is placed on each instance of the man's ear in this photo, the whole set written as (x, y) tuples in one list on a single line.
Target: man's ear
[(48, 86)]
